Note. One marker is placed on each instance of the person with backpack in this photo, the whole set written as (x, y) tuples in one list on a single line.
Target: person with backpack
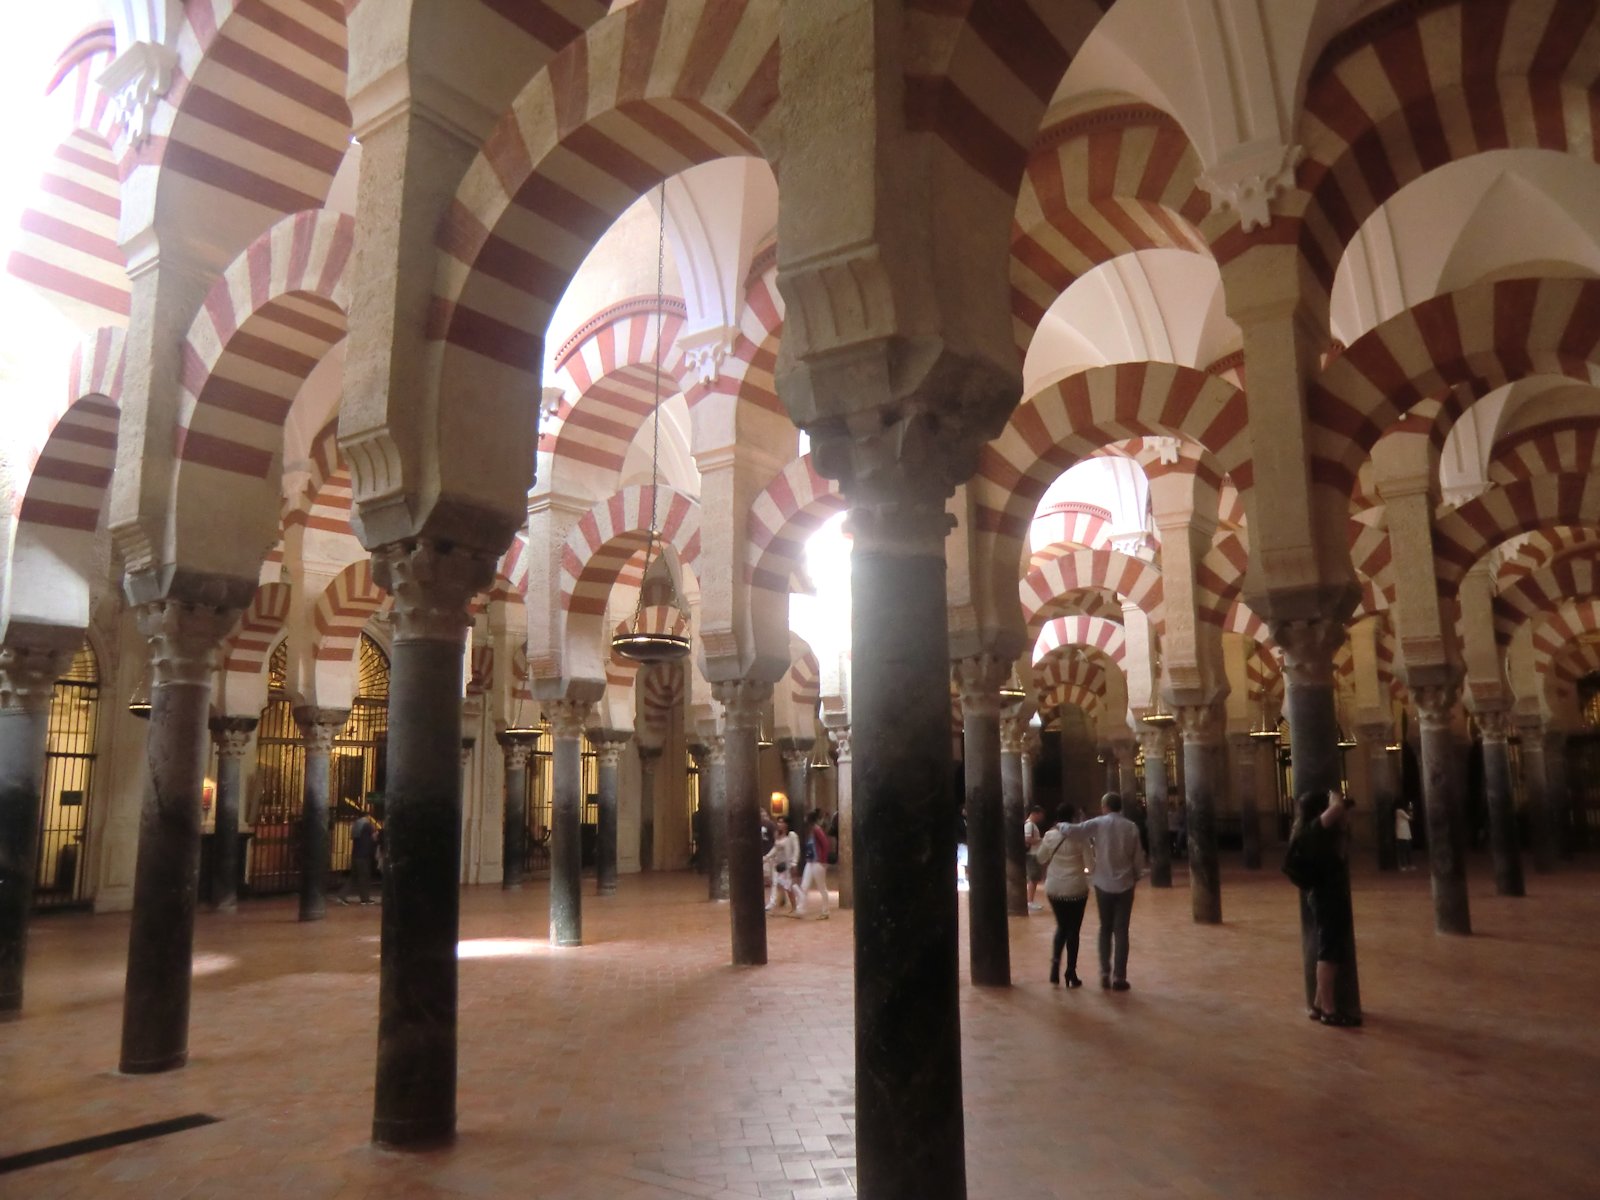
[(817, 851)]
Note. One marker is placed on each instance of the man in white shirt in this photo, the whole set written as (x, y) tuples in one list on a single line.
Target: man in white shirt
[(1116, 871)]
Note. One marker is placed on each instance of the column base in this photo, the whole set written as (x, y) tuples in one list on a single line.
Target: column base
[(155, 1066), (414, 1135), (314, 915), (608, 889)]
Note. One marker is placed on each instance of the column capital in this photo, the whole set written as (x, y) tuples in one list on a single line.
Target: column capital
[(840, 736), (717, 751), (232, 735), (1436, 704), (608, 745), (1200, 724), (568, 717), (516, 747), (1494, 724), (28, 675), (432, 584), (797, 758), (185, 640), (1013, 734), (978, 679), (1154, 741), (648, 755), (319, 726), (742, 701), (1308, 646)]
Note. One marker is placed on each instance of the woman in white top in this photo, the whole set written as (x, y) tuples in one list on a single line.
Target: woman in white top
[(1066, 886)]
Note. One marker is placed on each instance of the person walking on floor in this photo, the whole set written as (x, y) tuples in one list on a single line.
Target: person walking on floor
[(1402, 835), (816, 872), (1066, 886), (1115, 842), (363, 854), (783, 856), (1031, 837)]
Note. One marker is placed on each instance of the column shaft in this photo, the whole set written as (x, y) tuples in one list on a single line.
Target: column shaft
[(649, 756), (909, 1122), (1373, 745), (1014, 807), (1447, 839), (1244, 787), (988, 936), (232, 735), (1504, 843), (844, 877), (714, 798), (566, 820), (1201, 727), (1534, 774), (743, 701), (609, 752), (318, 726), (1155, 807), (514, 813)]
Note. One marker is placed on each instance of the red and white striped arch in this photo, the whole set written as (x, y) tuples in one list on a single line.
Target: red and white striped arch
[(662, 687), (250, 645), (1068, 421), (1095, 633), (1463, 536), (1263, 676), (1100, 184), (327, 500), (1541, 548), (1060, 575), (342, 611), (262, 328), (256, 123), (747, 373), (1575, 576), (1072, 522), (1454, 348), (792, 506), (1416, 86), (1557, 633), (1218, 577), (803, 683), (1571, 445), (643, 94), (66, 246), (609, 534)]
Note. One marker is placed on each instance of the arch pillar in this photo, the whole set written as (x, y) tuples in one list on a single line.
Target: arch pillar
[(838, 727), (1154, 741), (1535, 775), (30, 662), (1441, 797), (743, 701), (1372, 741), (1242, 755), (567, 718), (989, 940), (608, 745), (1201, 727), (232, 736), (516, 750), (1014, 804), (318, 728), (1504, 844)]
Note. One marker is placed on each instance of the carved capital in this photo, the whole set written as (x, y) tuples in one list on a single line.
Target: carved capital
[(1154, 742), (432, 585), (717, 751), (1308, 648), (185, 640), (232, 735), (839, 735), (1013, 733), (1199, 723), (136, 81), (1494, 724), (649, 756), (743, 701), (28, 675), (1436, 704), (1249, 178), (516, 749), (608, 744), (568, 717), (978, 680), (319, 726)]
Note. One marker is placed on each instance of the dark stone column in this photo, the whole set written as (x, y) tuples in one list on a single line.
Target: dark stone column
[(988, 937), (797, 778), (1558, 792), (1372, 742), (608, 746), (1127, 787), (1447, 835), (1154, 742), (1534, 775), (1015, 808), (1243, 759), (714, 799), (844, 877), (1202, 731), (232, 736), (742, 702), (566, 718), (516, 748), (1308, 648), (414, 1102), (184, 643), (910, 1131), (649, 756), (28, 674), (1504, 843), (318, 728)]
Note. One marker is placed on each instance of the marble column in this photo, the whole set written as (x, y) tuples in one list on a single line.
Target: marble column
[(1268, 782), (28, 676), (844, 876), (1201, 725), (1015, 807), (1534, 776), (1127, 786), (649, 756), (1243, 762), (318, 728), (910, 1128), (988, 936), (714, 799), (797, 778), (1372, 741), (232, 736), (608, 746), (184, 642), (566, 719), (1441, 798), (1309, 702), (1505, 843), (414, 1102), (516, 749), (1154, 742), (742, 703)]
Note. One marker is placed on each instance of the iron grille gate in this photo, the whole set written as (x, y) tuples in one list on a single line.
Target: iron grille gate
[(61, 877), (540, 796)]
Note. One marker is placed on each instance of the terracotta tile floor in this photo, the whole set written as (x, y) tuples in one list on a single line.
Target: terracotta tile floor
[(643, 1066)]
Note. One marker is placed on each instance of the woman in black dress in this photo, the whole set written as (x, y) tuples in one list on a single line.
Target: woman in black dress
[(1317, 865)]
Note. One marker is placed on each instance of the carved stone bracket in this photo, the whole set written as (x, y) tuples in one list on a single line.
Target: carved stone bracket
[(1200, 723), (978, 679), (568, 717), (185, 640), (1436, 704), (28, 675), (1308, 648), (136, 81), (432, 585), (1249, 178), (743, 701), (517, 748), (1494, 724), (232, 735)]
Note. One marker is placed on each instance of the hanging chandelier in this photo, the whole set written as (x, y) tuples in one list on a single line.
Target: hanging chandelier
[(1266, 730), (637, 642), (1158, 716), (139, 700), (1012, 691)]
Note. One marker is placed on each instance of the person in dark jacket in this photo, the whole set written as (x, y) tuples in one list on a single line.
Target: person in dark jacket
[(1321, 871)]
